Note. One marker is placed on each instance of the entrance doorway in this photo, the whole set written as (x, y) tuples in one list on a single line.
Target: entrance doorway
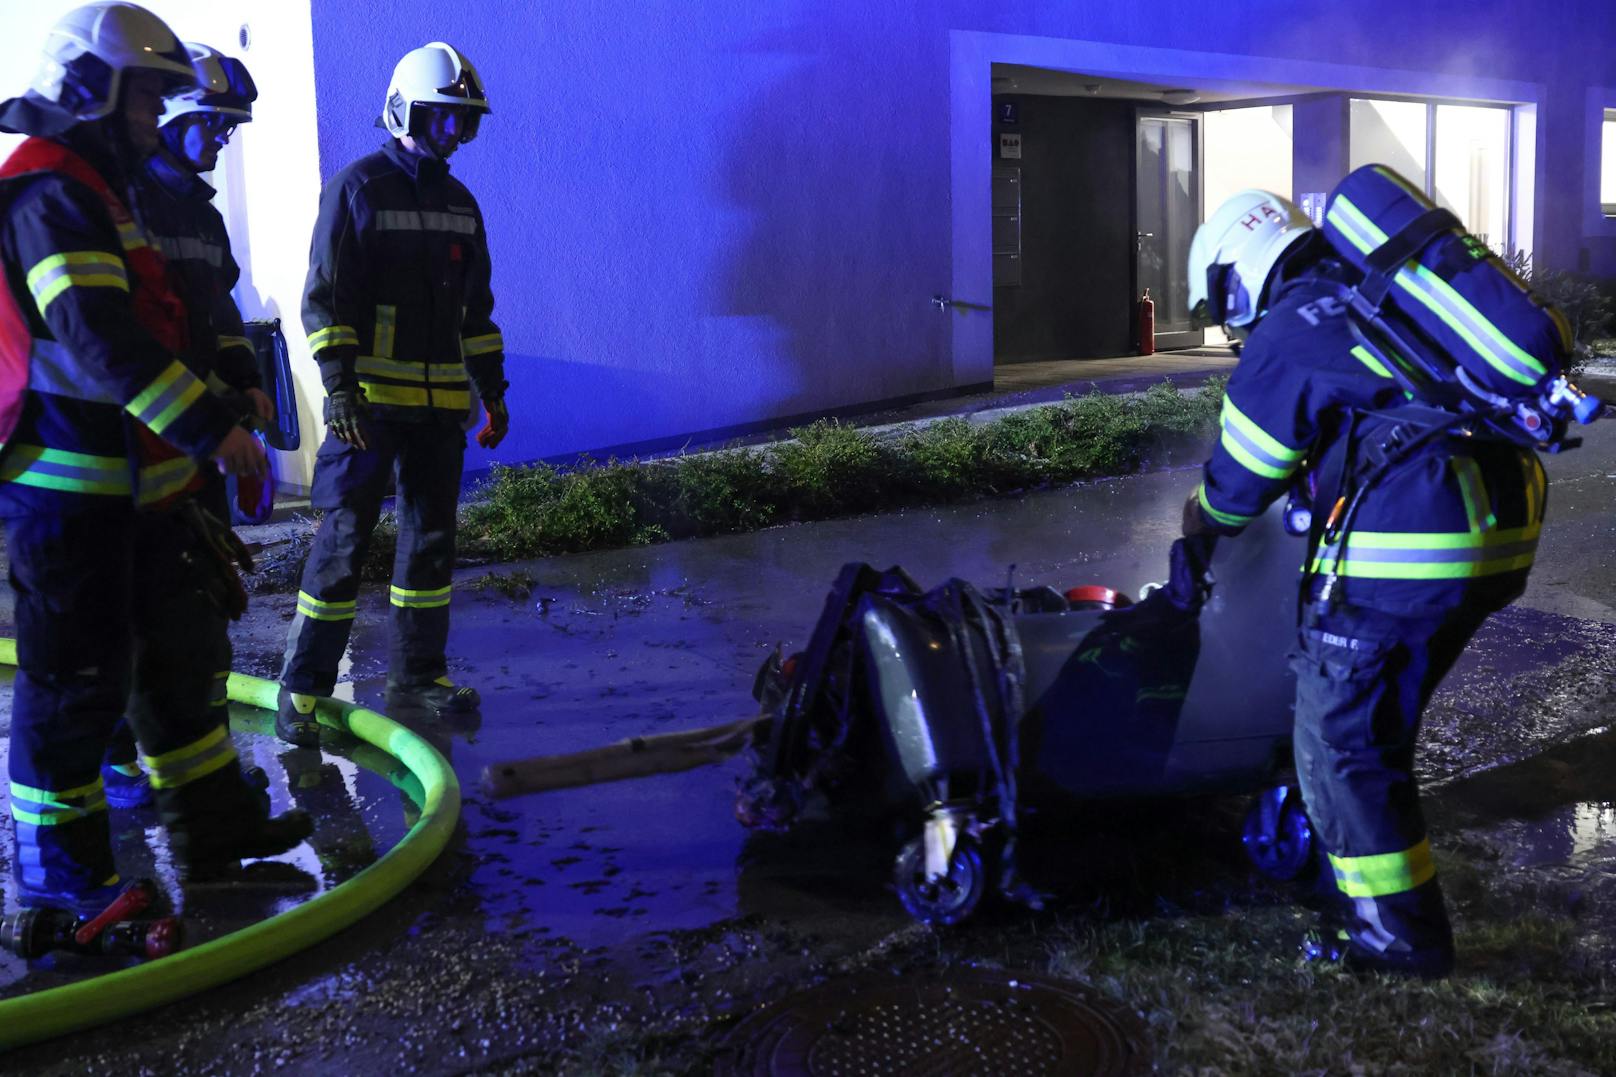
[(1167, 210)]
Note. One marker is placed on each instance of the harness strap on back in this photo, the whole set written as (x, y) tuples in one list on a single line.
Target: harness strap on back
[(1385, 260)]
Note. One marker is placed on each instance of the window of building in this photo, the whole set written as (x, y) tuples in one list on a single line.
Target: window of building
[(1607, 164), (1459, 155), (1246, 147), (1470, 173)]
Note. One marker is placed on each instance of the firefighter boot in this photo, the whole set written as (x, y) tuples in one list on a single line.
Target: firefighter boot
[(441, 696), (127, 786), (295, 722), (1405, 934), (66, 866), (221, 819)]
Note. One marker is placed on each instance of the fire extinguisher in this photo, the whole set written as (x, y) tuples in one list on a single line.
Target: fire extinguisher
[(1147, 324)]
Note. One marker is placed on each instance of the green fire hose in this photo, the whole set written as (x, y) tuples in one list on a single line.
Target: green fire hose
[(79, 1006)]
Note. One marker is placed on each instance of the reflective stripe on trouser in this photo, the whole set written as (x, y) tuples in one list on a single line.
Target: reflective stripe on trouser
[(211, 751), (349, 485), (1363, 679)]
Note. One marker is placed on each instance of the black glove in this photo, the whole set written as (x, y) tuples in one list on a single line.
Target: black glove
[(1189, 572), (345, 411)]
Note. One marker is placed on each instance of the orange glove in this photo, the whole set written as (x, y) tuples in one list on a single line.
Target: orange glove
[(499, 421)]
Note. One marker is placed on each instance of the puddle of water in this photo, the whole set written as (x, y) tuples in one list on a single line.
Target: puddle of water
[(357, 815)]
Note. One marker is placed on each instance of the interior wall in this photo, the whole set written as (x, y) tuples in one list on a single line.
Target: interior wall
[(1075, 299), (1246, 147)]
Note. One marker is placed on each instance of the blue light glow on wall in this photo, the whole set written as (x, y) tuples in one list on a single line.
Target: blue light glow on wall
[(707, 215)]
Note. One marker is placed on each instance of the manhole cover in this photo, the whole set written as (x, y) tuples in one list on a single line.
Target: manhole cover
[(953, 1025)]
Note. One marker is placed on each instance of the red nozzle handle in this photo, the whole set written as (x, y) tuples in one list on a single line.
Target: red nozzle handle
[(126, 906), (164, 937)]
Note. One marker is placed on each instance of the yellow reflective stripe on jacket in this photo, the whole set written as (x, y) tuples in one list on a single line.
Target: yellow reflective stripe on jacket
[(333, 336), (45, 807), (208, 753), (1536, 482), (386, 327), (483, 345), (167, 397), (1253, 448), (71, 472), (1227, 519), (86, 269), (236, 342), (1367, 358), (155, 482), (421, 600), (1431, 555), (1473, 490), (314, 609), (412, 373), (130, 235), (401, 396), (1385, 873)]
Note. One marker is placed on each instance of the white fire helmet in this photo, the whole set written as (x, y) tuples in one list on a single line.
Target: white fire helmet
[(224, 86), (1234, 253), (91, 48), (434, 74)]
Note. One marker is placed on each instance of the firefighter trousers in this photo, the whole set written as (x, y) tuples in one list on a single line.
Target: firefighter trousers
[(425, 459), (121, 749), (112, 619), (1363, 680)]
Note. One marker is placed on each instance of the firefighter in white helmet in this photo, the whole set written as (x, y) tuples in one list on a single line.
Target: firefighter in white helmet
[(398, 314), (174, 206), (118, 600), (1309, 408)]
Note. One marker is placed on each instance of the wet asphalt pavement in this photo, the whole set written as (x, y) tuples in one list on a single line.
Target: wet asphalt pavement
[(572, 916)]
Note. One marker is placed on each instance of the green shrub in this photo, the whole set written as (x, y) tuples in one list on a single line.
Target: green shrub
[(940, 461), (827, 469), (708, 494)]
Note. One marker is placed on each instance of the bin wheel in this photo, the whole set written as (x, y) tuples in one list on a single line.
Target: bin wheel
[(1278, 836), (949, 899)]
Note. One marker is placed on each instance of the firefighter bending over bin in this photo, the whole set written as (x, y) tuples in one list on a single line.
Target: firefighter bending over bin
[(120, 576), (398, 313), (1427, 498)]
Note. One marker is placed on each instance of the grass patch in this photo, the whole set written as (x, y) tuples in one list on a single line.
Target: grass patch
[(517, 584), (1175, 929), (1227, 995), (826, 469)]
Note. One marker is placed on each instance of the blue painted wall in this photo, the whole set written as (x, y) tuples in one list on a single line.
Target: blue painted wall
[(704, 215)]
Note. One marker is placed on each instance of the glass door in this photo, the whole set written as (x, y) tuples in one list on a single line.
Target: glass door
[(1167, 200)]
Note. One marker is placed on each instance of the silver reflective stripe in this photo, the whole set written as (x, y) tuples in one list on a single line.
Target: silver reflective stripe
[(190, 249), (386, 325), (50, 371), (1451, 555), (409, 220)]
